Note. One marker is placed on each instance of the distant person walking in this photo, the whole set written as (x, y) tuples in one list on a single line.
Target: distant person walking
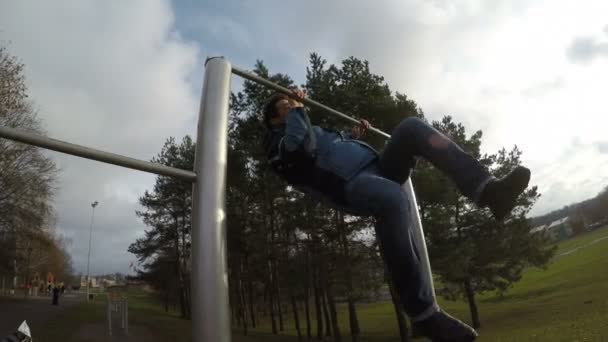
[(56, 295)]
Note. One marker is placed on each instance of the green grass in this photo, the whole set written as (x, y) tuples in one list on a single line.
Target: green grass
[(144, 312), (566, 302), (582, 240)]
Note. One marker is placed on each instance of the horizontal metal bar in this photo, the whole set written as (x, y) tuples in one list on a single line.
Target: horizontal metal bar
[(90, 153), (311, 103)]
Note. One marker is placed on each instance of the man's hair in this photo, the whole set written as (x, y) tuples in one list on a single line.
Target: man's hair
[(270, 109)]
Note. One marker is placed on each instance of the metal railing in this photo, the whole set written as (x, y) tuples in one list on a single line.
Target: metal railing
[(117, 306), (210, 306)]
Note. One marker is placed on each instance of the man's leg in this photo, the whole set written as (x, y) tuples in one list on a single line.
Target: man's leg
[(371, 194), (415, 138)]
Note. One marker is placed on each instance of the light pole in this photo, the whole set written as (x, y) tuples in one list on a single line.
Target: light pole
[(93, 205)]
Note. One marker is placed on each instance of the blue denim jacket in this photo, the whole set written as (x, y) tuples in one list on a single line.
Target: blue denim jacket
[(314, 159)]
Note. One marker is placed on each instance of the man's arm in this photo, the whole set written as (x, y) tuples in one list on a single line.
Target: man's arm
[(298, 131), (295, 151), (299, 136)]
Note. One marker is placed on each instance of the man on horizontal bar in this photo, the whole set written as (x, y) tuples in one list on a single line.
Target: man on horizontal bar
[(352, 176)]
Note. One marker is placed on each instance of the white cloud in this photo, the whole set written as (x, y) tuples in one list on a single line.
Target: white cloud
[(111, 75)]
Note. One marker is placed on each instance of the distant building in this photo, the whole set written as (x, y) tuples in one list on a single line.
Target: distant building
[(83, 282), (106, 282), (598, 224), (557, 230)]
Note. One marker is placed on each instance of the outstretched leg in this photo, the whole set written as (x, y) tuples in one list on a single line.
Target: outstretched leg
[(414, 138)]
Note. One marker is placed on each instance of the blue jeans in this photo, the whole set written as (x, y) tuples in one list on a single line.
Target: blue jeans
[(377, 191)]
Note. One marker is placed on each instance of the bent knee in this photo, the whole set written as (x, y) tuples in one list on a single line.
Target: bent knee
[(411, 123), (407, 128)]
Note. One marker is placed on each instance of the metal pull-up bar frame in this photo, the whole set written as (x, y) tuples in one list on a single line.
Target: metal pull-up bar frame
[(210, 305)]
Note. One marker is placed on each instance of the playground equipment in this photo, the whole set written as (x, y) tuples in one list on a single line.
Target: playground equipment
[(118, 304), (210, 311)]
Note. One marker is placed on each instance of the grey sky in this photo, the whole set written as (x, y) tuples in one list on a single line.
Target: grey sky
[(124, 76)]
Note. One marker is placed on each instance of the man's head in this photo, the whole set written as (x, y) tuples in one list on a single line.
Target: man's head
[(276, 110)]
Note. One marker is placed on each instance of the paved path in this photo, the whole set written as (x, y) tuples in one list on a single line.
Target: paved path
[(583, 246), (35, 310), (99, 333)]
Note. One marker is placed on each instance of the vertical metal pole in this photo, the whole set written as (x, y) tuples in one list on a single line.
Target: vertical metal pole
[(13, 291), (122, 314), (419, 235), (210, 311), (94, 204), (126, 317), (109, 316)]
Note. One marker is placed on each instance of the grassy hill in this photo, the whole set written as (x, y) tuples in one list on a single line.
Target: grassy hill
[(566, 302)]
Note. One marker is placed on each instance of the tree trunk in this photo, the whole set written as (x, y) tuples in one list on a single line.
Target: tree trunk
[(234, 301), (280, 311), (251, 305), (333, 313), (352, 310), (318, 309), (271, 307), (307, 297), (180, 286), (178, 271), (401, 323), (353, 320), (472, 305), (243, 310), (185, 268), (278, 298), (307, 312), (187, 296), (266, 296), (271, 265), (296, 318), (234, 315), (27, 272), (324, 301), (167, 300), (240, 292)]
